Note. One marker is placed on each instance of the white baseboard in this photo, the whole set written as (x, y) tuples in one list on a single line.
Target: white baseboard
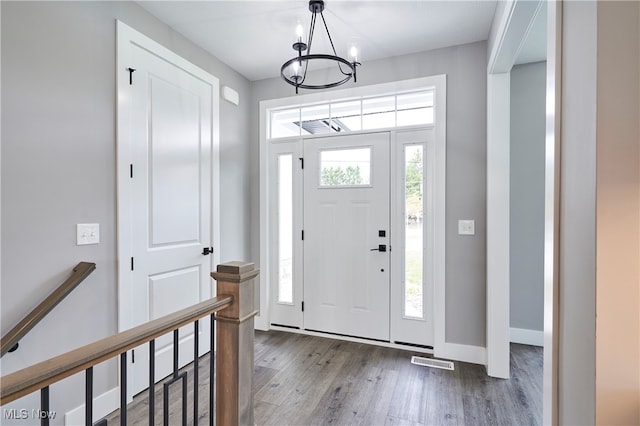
[(527, 337), (102, 405), (463, 353), (261, 323)]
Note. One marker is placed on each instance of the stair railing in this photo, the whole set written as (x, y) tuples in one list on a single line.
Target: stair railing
[(9, 342), (233, 313)]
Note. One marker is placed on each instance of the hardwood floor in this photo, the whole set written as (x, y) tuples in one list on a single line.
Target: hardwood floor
[(305, 380)]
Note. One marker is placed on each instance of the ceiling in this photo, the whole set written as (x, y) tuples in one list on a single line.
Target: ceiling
[(255, 37)]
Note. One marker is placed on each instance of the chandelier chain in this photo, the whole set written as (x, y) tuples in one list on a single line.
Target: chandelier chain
[(331, 41)]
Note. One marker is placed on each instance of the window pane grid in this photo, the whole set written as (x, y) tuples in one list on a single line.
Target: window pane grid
[(404, 109)]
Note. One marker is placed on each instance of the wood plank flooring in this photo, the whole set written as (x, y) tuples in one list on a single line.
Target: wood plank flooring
[(306, 380)]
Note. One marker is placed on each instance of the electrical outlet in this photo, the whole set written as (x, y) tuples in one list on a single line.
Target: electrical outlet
[(87, 233), (466, 227)]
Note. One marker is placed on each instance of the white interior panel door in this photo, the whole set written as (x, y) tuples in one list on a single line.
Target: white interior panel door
[(346, 235), (171, 144)]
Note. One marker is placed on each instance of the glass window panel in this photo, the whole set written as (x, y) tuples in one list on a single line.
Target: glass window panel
[(415, 109), (346, 116), (315, 120), (285, 228), (284, 123), (378, 113), (345, 167), (415, 100), (414, 117), (413, 235)]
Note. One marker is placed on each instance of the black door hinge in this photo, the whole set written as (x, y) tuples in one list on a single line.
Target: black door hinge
[(132, 263), (303, 235), (131, 170), (133, 356), (303, 306), (301, 162), (131, 70)]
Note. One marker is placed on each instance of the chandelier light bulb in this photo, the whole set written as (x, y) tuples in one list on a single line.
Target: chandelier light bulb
[(354, 53), (299, 32)]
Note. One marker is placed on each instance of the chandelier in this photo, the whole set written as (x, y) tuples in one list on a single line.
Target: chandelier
[(294, 71)]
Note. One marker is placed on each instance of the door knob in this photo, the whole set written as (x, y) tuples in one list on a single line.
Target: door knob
[(207, 250), (381, 247)]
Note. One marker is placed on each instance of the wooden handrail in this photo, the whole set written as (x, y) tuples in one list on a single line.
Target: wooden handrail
[(31, 379), (80, 272)]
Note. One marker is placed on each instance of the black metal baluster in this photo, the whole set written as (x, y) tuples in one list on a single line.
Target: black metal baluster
[(44, 406), (152, 382), (196, 341), (88, 397), (175, 353), (175, 378), (165, 399), (123, 389), (212, 370)]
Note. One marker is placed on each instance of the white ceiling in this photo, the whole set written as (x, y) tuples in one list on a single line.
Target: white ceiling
[(255, 37)]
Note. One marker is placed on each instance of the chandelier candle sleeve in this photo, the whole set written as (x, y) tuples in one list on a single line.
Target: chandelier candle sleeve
[(294, 71)]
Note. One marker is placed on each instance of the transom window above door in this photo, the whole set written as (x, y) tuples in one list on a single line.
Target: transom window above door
[(353, 115)]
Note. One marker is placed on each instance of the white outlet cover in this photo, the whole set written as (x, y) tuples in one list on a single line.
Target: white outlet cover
[(466, 227), (87, 233)]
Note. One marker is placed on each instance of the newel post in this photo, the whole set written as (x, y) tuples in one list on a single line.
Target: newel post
[(234, 356)]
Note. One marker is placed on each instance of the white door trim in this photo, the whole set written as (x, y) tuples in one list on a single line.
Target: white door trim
[(439, 82), (514, 26), (126, 38)]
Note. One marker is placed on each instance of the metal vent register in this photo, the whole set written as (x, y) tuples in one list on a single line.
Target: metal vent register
[(430, 362)]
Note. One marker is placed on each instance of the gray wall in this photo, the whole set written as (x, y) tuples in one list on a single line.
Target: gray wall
[(528, 87), (465, 67), (58, 169)]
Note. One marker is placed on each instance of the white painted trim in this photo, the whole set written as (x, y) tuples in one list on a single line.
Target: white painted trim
[(439, 82), (262, 320), (440, 216), (463, 353), (498, 210), (527, 337), (513, 27), (550, 387), (103, 404)]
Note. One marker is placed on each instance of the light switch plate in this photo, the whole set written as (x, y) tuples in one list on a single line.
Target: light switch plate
[(466, 227), (87, 233)]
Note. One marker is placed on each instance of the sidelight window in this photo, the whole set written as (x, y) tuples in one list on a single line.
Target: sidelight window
[(285, 228), (413, 232)]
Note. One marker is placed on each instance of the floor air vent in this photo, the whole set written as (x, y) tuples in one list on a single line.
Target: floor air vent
[(430, 362)]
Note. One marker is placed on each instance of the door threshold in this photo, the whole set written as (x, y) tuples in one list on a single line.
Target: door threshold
[(381, 343), (348, 336)]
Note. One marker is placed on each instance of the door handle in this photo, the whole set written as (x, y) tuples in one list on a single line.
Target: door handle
[(381, 247), (207, 250)]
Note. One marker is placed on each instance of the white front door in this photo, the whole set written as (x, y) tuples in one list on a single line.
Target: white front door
[(170, 186), (346, 235)]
